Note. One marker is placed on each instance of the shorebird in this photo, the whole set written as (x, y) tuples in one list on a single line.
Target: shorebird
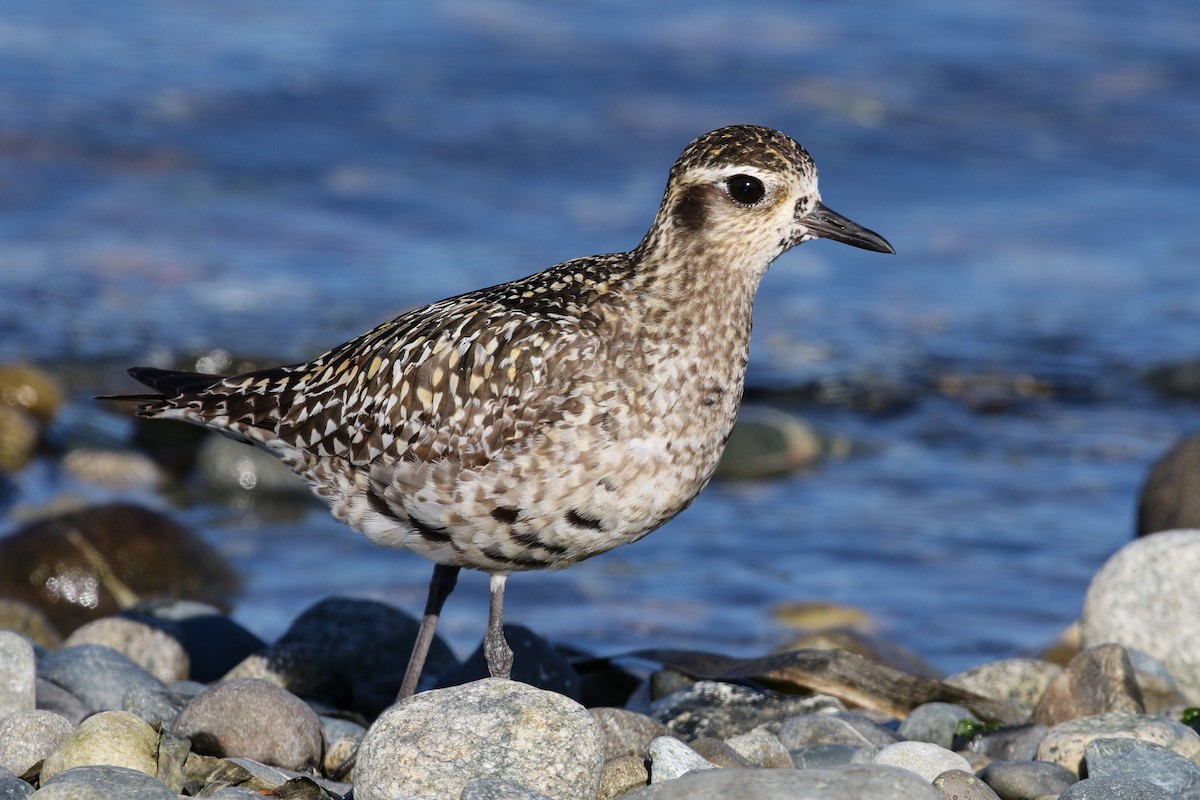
[(540, 422)]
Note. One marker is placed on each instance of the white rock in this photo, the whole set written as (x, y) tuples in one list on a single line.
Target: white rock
[(925, 759)]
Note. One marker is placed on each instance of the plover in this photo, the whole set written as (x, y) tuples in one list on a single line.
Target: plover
[(537, 423)]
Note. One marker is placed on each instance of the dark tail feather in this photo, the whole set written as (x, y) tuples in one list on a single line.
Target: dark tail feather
[(171, 383)]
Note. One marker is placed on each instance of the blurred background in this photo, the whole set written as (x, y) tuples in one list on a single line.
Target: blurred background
[(966, 424)]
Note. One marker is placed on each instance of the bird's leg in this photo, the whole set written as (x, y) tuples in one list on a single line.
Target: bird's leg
[(440, 587), (495, 649)]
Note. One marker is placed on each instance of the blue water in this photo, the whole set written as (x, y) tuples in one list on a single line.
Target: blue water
[(275, 177)]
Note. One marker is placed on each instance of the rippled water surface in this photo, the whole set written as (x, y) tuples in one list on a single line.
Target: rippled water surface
[(275, 177)]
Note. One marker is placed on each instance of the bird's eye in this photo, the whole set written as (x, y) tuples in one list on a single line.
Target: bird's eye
[(745, 189)]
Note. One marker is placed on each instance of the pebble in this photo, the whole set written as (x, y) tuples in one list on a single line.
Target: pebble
[(104, 782), (936, 723), (1097, 680), (436, 741), (1065, 742), (622, 775), (626, 733), (1016, 680), (154, 650), (27, 737), (369, 642), (1170, 498), (855, 782), (762, 749), (13, 788), (535, 662), (52, 697), (214, 643), (719, 753), (113, 469), (341, 737), (160, 706), (97, 675), (498, 789), (1016, 780), (837, 728), (767, 441), (670, 758), (30, 622), (821, 756), (114, 738), (1115, 789), (254, 719), (1144, 597), (18, 674), (1012, 743), (1130, 758), (721, 710), (924, 759), (957, 784)]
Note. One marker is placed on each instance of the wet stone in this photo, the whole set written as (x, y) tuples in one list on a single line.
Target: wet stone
[(27, 737), (1130, 758), (254, 719), (18, 674), (936, 723), (957, 784), (1015, 780), (922, 758), (626, 733), (722, 710), (97, 675)]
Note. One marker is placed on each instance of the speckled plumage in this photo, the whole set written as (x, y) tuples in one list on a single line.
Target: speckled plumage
[(540, 422)]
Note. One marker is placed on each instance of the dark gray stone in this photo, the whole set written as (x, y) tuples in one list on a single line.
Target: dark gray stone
[(160, 706), (957, 784), (13, 788), (1170, 498), (1109, 788), (97, 675), (535, 662), (1013, 743), (847, 783), (52, 697), (935, 723), (1130, 758), (104, 783), (721, 710), (1017, 780), (367, 644), (253, 719)]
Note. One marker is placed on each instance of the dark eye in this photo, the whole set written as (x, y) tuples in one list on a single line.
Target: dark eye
[(745, 189)]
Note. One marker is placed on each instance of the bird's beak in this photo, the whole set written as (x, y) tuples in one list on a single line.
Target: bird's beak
[(825, 223)]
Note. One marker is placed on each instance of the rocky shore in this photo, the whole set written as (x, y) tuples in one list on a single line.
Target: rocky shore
[(174, 698)]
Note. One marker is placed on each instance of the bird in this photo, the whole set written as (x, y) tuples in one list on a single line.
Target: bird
[(539, 422)]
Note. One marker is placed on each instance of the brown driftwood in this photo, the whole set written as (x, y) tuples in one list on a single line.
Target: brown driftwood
[(851, 678)]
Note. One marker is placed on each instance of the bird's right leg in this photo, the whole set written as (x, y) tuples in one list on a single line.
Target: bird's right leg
[(440, 587)]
